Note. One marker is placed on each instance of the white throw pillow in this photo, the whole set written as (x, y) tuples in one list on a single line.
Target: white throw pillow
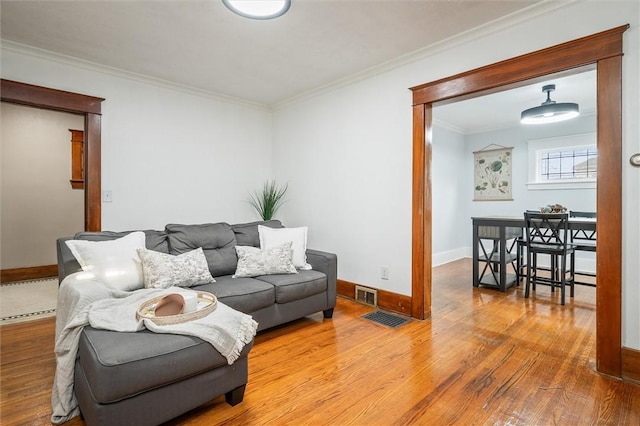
[(115, 262), (272, 237), (253, 262), (163, 270)]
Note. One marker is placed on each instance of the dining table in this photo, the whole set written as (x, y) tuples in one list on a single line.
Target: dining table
[(490, 262)]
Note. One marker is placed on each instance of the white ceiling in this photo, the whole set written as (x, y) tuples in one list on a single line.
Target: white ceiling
[(203, 46), (502, 110)]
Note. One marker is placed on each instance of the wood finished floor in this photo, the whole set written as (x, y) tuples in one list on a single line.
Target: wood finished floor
[(485, 358)]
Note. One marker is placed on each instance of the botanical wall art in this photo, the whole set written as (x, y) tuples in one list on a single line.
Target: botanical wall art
[(492, 174)]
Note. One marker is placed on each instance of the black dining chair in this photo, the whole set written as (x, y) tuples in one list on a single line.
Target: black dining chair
[(586, 215), (548, 234), (584, 240), (521, 263)]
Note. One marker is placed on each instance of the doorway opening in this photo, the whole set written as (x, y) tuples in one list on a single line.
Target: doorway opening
[(90, 108), (39, 203), (604, 51)]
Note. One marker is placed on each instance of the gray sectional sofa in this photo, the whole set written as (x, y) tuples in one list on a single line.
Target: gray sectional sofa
[(146, 378)]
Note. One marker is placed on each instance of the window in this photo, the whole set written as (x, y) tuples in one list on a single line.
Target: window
[(577, 163), (563, 163)]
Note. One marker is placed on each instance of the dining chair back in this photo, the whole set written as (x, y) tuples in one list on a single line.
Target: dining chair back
[(583, 239), (586, 215), (548, 234), (521, 262)]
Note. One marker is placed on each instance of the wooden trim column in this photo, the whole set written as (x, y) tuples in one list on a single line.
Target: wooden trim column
[(609, 225), (421, 218), (93, 172)]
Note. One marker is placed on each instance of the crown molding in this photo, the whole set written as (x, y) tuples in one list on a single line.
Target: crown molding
[(494, 128), (48, 55), (505, 22), (513, 19), (448, 126)]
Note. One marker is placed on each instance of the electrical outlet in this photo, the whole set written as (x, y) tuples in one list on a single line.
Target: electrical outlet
[(384, 272), (107, 196)]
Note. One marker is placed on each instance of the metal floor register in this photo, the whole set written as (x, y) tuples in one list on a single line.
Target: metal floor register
[(387, 319)]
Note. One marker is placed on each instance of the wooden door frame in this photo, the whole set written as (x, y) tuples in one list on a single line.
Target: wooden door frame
[(602, 50), (89, 106)]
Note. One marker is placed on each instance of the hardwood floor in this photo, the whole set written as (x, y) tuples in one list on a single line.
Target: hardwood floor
[(485, 358)]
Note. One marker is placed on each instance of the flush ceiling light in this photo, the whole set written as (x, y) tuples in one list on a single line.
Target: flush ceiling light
[(258, 9), (549, 111)]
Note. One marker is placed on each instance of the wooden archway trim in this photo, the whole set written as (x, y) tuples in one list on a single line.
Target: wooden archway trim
[(604, 50), (90, 107)]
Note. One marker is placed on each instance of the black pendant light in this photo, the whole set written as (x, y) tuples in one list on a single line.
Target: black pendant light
[(549, 111)]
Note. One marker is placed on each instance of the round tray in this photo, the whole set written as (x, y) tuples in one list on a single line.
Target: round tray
[(207, 303)]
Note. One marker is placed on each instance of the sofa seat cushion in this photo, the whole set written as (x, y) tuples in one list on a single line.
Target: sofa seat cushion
[(289, 288), (242, 294), (118, 365)]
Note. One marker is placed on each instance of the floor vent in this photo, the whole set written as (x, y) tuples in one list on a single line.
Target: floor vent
[(390, 320), (365, 295)]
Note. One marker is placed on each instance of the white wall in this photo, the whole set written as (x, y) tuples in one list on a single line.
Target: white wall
[(523, 197), (167, 155), (452, 179), (349, 149), (346, 153), (347, 167), (37, 200), (450, 215)]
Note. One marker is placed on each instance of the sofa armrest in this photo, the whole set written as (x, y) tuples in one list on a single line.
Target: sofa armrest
[(326, 263), (67, 263), (76, 291)]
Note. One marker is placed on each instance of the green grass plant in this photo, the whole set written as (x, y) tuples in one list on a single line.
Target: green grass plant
[(269, 200)]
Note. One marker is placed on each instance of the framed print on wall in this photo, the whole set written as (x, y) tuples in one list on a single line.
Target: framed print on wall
[(492, 174)]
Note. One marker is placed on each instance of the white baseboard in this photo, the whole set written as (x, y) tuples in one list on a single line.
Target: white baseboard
[(443, 257)]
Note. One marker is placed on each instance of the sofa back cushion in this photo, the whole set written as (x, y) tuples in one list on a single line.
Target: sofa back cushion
[(247, 233), (154, 240), (67, 263), (217, 240)]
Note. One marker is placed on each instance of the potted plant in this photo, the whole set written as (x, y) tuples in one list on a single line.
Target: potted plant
[(268, 201)]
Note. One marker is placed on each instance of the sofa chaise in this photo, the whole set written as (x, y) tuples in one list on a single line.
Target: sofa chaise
[(147, 378)]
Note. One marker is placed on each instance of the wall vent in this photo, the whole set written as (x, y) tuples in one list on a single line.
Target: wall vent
[(365, 295)]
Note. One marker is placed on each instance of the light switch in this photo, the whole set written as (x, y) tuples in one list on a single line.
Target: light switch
[(107, 196)]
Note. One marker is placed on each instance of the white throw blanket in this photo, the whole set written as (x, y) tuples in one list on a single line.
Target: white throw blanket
[(84, 301)]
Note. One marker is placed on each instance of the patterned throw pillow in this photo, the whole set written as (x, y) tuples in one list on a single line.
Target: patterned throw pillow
[(163, 270), (253, 261)]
